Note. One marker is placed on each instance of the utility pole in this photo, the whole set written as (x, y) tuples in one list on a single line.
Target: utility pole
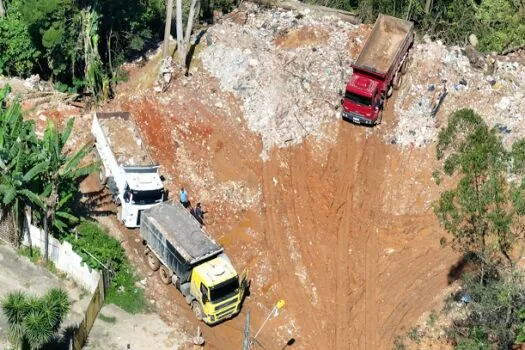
[(167, 28), (246, 342), (2, 9)]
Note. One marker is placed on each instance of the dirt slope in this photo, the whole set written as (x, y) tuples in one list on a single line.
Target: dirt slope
[(356, 268)]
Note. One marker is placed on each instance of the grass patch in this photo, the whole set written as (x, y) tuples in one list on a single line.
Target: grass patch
[(432, 318), (107, 319), (36, 258), (108, 251), (413, 334), (124, 293)]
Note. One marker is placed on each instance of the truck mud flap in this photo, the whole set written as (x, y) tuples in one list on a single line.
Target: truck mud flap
[(139, 215)]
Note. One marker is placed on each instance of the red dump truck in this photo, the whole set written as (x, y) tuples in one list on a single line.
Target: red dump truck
[(378, 69)]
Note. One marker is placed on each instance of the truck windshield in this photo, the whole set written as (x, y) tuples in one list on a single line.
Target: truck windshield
[(224, 290), (147, 197), (365, 101)]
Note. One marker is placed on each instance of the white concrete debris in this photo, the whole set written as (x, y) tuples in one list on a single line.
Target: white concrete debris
[(499, 97), (287, 93)]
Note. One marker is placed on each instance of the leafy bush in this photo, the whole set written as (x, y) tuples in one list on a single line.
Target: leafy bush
[(123, 291), (493, 319), (93, 239)]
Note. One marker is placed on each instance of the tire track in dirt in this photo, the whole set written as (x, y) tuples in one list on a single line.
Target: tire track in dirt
[(357, 260)]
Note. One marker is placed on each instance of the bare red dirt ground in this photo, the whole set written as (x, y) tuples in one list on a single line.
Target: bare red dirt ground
[(341, 229)]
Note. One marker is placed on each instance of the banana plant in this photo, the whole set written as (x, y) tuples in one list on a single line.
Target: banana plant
[(19, 167), (61, 179)]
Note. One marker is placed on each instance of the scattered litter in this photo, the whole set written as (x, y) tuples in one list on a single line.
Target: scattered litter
[(288, 89), (495, 90)]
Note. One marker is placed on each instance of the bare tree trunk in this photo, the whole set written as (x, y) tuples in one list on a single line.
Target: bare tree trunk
[(194, 9), (180, 39), (428, 6), (167, 29), (2, 8)]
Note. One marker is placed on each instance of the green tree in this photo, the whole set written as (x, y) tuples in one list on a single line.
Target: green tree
[(494, 314), (17, 52), (33, 322), (54, 28), (481, 212), (19, 166), (60, 180), (501, 24)]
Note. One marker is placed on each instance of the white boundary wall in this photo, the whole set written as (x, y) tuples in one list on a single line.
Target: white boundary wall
[(64, 258)]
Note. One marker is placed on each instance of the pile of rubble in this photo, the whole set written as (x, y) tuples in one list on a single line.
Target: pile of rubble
[(498, 95), (288, 91)]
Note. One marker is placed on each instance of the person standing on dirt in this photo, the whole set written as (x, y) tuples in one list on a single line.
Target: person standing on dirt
[(183, 196), (199, 214)]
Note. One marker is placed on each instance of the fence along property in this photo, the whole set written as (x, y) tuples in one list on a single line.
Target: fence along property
[(69, 262)]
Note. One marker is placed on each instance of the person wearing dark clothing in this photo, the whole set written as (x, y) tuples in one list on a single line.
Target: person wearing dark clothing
[(183, 196), (199, 214)]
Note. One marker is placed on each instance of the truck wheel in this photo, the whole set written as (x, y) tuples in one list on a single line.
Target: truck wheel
[(398, 80), (197, 310), (102, 176), (379, 117), (165, 274), (406, 64), (153, 262)]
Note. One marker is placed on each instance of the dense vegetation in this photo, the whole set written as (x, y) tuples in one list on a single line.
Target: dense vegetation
[(33, 322), (36, 172), (75, 42), (498, 24), (483, 215), (80, 44), (96, 247)]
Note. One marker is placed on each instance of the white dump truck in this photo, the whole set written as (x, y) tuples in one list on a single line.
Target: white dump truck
[(127, 168)]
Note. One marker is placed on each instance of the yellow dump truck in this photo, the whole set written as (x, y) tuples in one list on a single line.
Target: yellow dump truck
[(184, 255)]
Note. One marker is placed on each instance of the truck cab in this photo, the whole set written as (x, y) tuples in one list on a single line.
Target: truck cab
[(216, 288), (140, 191), (362, 101)]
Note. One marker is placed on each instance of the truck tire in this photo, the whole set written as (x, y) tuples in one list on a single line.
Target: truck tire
[(197, 310), (379, 117), (102, 178), (165, 274), (398, 80), (406, 64), (153, 261)]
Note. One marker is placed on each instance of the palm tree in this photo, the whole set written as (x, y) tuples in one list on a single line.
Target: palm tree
[(33, 322), (61, 180)]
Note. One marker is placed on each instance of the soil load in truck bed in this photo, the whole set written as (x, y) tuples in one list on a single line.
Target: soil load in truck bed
[(124, 139), (384, 44), (169, 226)]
